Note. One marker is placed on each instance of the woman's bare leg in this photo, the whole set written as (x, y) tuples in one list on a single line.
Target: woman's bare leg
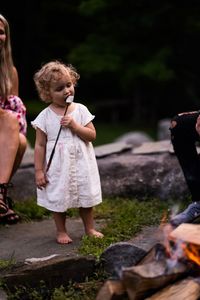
[(62, 236), (12, 148), (9, 144), (20, 152), (88, 221)]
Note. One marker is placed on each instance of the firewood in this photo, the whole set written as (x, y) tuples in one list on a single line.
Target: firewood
[(156, 252), (111, 290), (143, 280), (189, 233), (187, 289)]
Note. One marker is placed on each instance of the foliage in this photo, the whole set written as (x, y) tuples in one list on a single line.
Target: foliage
[(72, 291), (29, 210), (7, 263), (124, 218), (146, 52), (25, 292), (121, 220), (137, 46)]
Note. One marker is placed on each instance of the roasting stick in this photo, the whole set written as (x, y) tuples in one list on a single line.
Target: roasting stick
[(68, 101)]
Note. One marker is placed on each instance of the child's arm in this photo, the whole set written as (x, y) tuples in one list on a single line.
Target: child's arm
[(86, 133), (39, 157)]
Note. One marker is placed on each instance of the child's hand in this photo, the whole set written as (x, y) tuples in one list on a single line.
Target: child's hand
[(40, 178), (198, 125), (68, 121)]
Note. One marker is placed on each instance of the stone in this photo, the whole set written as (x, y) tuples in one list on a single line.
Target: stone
[(150, 170), (143, 175), (154, 147), (119, 255), (108, 149), (163, 129), (134, 138), (54, 272)]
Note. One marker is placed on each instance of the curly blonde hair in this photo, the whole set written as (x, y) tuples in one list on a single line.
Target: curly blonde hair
[(51, 72)]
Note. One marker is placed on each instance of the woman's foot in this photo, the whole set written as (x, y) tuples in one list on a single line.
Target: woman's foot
[(10, 217), (95, 233), (63, 238), (3, 207)]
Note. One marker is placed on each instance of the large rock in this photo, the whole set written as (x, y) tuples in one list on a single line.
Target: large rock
[(142, 175), (120, 255), (150, 170), (134, 138), (53, 272)]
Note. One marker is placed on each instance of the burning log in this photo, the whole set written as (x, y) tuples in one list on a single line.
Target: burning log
[(111, 290), (188, 289), (143, 280), (157, 252), (161, 273), (189, 233)]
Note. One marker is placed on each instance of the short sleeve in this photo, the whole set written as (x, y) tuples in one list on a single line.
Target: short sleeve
[(86, 116), (40, 121)]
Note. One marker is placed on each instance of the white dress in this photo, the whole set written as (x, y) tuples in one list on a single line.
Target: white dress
[(73, 175)]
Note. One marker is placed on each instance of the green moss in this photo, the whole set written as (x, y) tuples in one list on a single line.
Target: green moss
[(6, 263), (123, 219), (29, 210)]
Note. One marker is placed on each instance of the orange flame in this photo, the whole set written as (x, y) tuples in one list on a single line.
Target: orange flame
[(182, 250), (192, 252)]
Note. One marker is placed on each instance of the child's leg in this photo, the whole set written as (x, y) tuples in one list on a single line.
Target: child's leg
[(88, 221), (62, 236)]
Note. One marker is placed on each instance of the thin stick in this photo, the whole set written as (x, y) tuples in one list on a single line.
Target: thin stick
[(54, 147)]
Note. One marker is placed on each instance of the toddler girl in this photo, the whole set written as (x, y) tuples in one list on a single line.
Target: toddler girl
[(73, 178)]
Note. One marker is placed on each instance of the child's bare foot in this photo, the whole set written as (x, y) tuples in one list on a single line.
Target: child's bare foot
[(63, 238), (93, 232)]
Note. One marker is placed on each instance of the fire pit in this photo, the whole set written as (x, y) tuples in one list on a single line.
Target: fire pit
[(170, 270)]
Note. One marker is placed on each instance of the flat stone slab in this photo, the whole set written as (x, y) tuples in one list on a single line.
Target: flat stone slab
[(148, 238), (54, 273), (108, 149), (37, 239), (38, 257), (154, 147)]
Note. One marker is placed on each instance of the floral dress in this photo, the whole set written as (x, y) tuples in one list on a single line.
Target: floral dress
[(15, 106), (73, 175)]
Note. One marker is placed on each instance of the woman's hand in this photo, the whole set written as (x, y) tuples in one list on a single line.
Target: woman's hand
[(198, 125)]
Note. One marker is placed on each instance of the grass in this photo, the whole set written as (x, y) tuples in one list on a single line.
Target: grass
[(122, 219)]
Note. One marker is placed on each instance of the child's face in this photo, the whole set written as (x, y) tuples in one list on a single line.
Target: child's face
[(61, 89)]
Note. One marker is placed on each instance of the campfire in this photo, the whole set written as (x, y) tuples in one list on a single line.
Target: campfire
[(170, 270)]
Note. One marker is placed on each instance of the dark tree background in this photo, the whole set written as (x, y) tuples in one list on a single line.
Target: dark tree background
[(137, 58)]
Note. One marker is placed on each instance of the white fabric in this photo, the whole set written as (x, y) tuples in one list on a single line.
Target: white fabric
[(73, 175)]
